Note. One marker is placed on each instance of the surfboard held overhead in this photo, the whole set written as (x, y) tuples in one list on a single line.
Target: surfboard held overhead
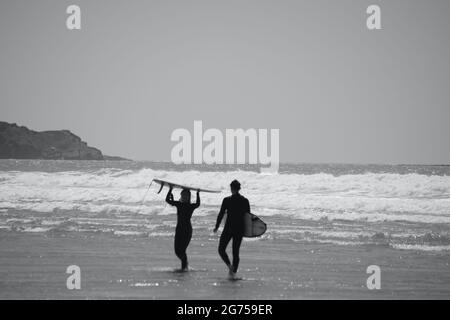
[(169, 184)]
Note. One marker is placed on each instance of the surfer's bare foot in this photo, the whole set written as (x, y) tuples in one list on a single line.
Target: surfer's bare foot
[(181, 270), (232, 276)]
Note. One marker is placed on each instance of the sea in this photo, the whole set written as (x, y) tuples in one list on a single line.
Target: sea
[(405, 207)]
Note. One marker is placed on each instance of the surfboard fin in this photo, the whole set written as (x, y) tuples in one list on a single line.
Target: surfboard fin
[(160, 189)]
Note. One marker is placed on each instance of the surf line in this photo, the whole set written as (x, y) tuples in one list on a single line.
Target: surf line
[(235, 140), (187, 310)]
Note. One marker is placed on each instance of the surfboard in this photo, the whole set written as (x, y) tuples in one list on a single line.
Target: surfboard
[(254, 226), (163, 183)]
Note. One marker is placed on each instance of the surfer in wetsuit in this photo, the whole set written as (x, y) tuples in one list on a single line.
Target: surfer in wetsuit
[(183, 230), (236, 206)]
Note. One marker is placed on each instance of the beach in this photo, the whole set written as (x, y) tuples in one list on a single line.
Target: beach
[(123, 124), (33, 266), (326, 224)]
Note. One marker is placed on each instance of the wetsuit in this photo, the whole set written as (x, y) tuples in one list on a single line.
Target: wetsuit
[(235, 206), (183, 230)]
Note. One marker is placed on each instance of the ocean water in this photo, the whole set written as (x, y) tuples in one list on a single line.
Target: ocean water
[(406, 207)]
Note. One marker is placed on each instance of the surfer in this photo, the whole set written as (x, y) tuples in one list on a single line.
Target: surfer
[(236, 206), (183, 230)]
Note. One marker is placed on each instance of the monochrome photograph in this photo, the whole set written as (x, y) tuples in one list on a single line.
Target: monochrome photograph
[(224, 150)]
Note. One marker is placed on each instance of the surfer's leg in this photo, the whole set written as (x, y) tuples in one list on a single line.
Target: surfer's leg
[(225, 238), (185, 244), (237, 240), (184, 262), (177, 244), (180, 249)]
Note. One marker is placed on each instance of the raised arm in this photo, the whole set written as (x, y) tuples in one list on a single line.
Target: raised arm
[(169, 197), (220, 216), (197, 202)]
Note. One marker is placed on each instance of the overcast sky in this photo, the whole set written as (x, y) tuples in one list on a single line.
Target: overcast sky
[(140, 69)]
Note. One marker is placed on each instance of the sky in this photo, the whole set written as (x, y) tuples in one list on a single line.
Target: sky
[(138, 70)]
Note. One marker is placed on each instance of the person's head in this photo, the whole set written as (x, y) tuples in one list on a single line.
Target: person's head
[(185, 196), (235, 186)]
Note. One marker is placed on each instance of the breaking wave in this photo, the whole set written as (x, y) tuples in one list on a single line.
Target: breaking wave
[(400, 210)]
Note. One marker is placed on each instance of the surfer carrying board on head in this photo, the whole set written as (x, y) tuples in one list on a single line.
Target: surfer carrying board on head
[(183, 230), (236, 206)]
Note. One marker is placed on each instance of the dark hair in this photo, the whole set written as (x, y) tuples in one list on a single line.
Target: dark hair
[(235, 185), (186, 192)]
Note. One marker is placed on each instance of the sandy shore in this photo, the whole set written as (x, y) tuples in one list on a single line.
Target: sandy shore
[(33, 266)]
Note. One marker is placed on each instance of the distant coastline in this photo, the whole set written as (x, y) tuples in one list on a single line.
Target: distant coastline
[(19, 142)]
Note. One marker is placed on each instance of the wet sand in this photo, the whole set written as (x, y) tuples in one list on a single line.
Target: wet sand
[(33, 266)]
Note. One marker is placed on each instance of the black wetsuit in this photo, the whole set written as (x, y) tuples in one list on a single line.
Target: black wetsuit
[(235, 206), (183, 230)]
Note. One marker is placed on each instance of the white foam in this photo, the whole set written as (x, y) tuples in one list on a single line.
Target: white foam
[(36, 229), (421, 247), (161, 234), (127, 233), (371, 197), (145, 284)]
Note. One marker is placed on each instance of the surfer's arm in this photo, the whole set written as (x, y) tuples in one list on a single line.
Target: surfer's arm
[(197, 202), (220, 216), (169, 198)]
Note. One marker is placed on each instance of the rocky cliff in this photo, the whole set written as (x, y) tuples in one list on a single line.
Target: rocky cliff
[(17, 142)]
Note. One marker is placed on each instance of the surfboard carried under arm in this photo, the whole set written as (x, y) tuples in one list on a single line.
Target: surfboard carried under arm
[(169, 184), (254, 226)]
